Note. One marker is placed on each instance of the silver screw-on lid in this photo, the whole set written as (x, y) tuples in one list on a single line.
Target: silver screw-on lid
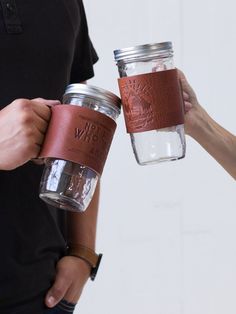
[(143, 50), (94, 92)]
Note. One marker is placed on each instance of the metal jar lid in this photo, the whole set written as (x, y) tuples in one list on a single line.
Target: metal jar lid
[(143, 51), (94, 92)]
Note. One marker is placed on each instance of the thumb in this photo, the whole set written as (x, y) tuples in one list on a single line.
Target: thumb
[(57, 291), (186, 87)]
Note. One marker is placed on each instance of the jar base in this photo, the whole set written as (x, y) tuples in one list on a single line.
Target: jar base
[(160, 160), (67, 185), (62, 202)]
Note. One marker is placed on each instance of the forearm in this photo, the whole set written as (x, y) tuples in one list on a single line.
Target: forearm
[(217, 141), (81, 227)]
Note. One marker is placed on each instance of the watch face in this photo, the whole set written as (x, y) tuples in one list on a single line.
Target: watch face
[(95, 269)]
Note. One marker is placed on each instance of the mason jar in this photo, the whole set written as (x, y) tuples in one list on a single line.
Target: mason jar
[(76, 146), (152, 102)]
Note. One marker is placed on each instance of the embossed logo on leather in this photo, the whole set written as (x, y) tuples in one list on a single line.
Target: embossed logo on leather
[(151, 101), (138, 108), (80, 135)]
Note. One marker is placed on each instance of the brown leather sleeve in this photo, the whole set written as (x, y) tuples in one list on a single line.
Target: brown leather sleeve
[(80, 135), (151, 101)]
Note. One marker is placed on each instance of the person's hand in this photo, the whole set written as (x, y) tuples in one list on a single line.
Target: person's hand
[(217, 141), (195, 115), (71, 275), (23, 124)]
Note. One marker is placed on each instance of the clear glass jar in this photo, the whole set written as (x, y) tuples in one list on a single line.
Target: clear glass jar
[(157, 145), (66, 184)]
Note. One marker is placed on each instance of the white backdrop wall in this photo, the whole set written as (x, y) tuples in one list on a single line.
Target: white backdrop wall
[(168, 232)]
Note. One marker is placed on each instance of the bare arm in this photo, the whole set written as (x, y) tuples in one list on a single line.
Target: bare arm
[(82, 227), (72, 272), (216, 140)]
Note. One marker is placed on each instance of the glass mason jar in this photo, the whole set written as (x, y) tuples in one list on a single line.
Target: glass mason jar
[(163, 143), (70, 185)]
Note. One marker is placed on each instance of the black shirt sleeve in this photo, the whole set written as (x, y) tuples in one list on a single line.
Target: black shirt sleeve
[(85, 55)]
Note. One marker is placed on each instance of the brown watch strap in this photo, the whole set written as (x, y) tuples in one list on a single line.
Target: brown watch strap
[(88, 255), (84, 253)]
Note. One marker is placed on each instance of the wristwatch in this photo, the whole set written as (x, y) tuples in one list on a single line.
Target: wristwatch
[(88, 255)]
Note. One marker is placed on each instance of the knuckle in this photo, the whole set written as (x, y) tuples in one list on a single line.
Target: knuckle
[(38, 99), (28, 133), (25, 117), (23, 111), (21, 103)]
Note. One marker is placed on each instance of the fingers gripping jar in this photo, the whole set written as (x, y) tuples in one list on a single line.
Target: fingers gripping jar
[(152, 102), (79, 136)]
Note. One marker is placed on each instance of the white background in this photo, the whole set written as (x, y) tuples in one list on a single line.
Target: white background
[(168, 232)]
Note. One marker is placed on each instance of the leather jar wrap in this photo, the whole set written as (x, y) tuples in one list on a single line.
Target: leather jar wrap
[(80, 135), (151, 101)]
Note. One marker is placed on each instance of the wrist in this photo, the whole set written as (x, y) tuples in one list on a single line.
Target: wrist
[(87, 255), (200, 124), (84, 267)]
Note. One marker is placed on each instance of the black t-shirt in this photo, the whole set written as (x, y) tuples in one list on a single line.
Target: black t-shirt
[(44, 46)]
